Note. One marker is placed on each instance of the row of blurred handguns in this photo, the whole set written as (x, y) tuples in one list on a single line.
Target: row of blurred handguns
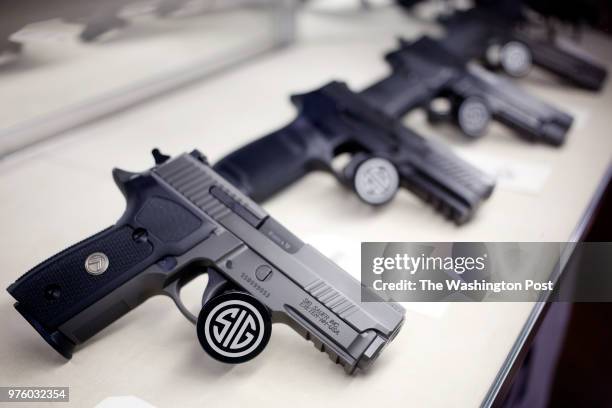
[(434, 74)]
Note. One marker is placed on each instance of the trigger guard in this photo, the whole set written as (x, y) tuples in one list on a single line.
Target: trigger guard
[(216, 284), (173, 291)]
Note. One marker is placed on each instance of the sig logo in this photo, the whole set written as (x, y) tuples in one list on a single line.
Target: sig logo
[(234, 327), (96, 263), (376, 181)]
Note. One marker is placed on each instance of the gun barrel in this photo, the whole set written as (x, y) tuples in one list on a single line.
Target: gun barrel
[(581, 70), (451, 185), (529, 116)]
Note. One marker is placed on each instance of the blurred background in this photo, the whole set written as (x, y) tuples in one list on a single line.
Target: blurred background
[(63, 63), (66, 62)]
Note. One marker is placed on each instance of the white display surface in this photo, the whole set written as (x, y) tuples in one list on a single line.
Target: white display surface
[(59, 192)]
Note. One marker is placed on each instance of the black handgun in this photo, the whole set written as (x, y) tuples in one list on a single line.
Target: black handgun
[(425, 72), (508, 42), (181, 220), (384, 155)]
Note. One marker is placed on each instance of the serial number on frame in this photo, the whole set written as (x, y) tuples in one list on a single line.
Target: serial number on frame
[(33, 394)]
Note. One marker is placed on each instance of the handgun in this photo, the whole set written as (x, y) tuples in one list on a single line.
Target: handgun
[(182, 219), (425, 74), (512, 45), (384, 155)]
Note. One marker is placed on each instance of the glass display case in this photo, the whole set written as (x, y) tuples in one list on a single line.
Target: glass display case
[(66, 62)]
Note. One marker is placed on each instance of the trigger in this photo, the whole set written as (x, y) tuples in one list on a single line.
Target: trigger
[(347, 173), (216, 284)]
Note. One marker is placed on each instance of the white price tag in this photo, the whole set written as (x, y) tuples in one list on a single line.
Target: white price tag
[(513, 175)]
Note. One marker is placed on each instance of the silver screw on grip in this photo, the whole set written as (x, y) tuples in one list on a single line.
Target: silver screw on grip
[(96, 263)]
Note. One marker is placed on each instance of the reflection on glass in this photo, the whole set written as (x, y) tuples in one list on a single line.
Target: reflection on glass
[(58, 56)]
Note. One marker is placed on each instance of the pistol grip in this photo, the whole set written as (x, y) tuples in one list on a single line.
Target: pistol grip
[(264, 167), (397, 94), (58, 287), (87, 278)]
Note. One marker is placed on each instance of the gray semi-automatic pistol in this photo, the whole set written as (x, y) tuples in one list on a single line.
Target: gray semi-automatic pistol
[(182, 219)]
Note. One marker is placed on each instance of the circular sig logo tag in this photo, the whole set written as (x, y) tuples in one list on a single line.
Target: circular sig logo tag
[(376, 181), (516, 58), (96, 263), (234, 327), (474, 117)]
